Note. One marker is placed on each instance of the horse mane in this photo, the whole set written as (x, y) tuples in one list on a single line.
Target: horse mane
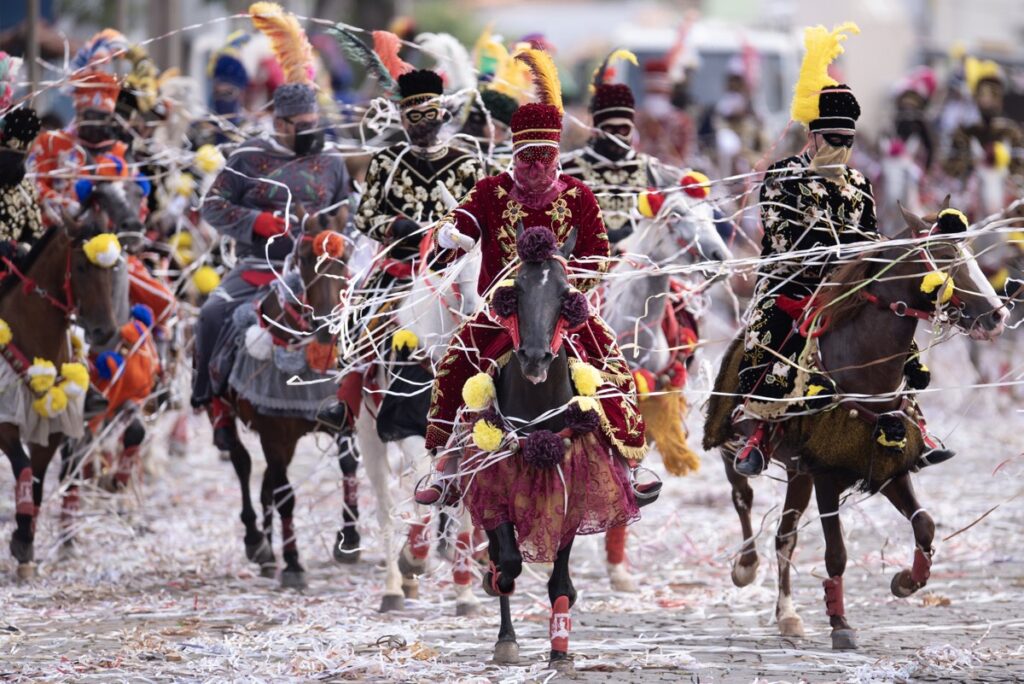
[(10, 281), (833, 302)]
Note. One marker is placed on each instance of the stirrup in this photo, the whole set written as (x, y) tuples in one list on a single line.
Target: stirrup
[(934, 456), (645, 492), (442, 493), (750, 461)]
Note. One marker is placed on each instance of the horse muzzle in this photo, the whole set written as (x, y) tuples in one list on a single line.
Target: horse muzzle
[(535, 364), (990, 326)]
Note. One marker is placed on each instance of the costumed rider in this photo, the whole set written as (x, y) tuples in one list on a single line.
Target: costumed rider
[(533, 196), (913, 97), (20, 221), (262, 179), (811, 204), (992, 139), (610, 166), (406, 189)]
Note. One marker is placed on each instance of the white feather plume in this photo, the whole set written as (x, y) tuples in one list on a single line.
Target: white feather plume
[(452, 59)]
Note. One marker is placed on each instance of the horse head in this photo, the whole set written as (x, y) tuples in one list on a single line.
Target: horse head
[(952, 283), (97, 281), (113, 205), (689, 234), (541, 289), (320, 257)]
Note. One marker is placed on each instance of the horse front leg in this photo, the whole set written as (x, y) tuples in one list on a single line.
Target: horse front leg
[(378, 471), (828, 490), (278, 449), (23, 537), (466, 602), (412, 559), (346, 543), (798, 495), (615, 559), (71, 452), (900, 492), (506, 649), (257, 547), (744, 568), (562, 594)]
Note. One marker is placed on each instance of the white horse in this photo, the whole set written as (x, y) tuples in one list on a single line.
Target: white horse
[(637, 296), (433, 311)]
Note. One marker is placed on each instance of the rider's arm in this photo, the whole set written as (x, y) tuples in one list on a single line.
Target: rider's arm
[(222, 206), (372, 217), (592, 251), (463, 224), (779, 198)]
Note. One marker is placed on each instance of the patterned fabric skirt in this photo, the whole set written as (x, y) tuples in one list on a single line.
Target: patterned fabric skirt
[(588, 493)]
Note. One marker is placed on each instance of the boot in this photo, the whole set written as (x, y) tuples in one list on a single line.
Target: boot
[(333, 417), (751, 460), (223, 419), (443, 490), (935, 452)]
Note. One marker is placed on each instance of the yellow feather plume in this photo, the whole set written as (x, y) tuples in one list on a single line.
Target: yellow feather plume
[(978, 70), (822, 47), (546, 84), (600, 73), (287, 40)]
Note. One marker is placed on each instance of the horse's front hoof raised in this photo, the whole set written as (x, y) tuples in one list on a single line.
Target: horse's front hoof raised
[(26, 571), (392, 602), (620, 578), (792, 626), (467, 609), (506, 653), (844, 640), (293, 579), (742, 575), (903, 584), (260, 553)]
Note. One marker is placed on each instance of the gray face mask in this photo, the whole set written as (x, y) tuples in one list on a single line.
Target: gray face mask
[(830, 162)]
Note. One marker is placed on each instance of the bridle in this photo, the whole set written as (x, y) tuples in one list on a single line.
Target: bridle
[(511, 323)]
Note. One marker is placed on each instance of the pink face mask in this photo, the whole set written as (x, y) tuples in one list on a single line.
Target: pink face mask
[(536, 169)]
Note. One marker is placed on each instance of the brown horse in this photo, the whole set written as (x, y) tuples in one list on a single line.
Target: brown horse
[(55, 285), (862, 350), (297, 319)]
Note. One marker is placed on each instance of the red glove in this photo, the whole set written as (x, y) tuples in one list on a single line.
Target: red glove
[(267, 225)]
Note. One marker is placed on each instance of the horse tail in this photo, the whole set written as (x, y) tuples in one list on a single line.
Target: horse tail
[(718, 421)]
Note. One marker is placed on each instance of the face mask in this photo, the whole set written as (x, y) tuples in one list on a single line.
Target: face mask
[(830, 162), (612, 147), (12, 167), (309, 139), (94, 134), (224, 106)]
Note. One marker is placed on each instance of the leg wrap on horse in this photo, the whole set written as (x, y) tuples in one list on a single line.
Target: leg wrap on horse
[(834, 596), (288, 535), (23, 503), (615, 545), (462, 569), (419, 538), (922, 568), (561, 625)]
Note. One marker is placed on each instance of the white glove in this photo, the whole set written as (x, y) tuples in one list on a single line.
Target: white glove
[(449, 237)]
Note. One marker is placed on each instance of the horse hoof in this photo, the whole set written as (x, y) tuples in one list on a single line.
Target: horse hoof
[(506, 653), (620, 578), (742, 575), (792, 626), (26, 571), (268, 570), (411, 590), (392, 602), (467, 609), (23, 551), (293, 579), (902, 584), (565, 667), (260, 553), (844, 640)]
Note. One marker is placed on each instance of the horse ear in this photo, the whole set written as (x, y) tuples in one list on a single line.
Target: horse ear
[(945, 202), (71, 226), (569, 245), (913, 221)]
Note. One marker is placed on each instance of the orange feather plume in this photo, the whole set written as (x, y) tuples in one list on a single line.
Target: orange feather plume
[(287, 40), (387, 46)]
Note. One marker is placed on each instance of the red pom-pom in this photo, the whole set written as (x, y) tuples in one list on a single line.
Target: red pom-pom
[(330, 243), (543, 449), (696, 184), (575, 309)]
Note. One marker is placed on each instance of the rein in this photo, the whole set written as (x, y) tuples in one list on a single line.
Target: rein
[(30, 286)]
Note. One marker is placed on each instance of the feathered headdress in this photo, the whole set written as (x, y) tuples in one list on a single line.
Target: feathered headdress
[(604, 70), (977, 70), (387, 46), (546, 85), (287, 40), (453, 61), (100, 51), (496, 67), (353, 47), (822, 47), (9, 67)]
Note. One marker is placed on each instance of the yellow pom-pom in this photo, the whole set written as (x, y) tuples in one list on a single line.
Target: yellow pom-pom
[(206, 279), (640, 380), (1001, 155), (41, 375), (586, 403), (76, 379), (404, 339), (643, 204), (5, 333), (487, 437), (209, 159), (103, 250), (181, 243), (586, 378), (478, 392), (186, 184), (814, 390), (937, 279), (52, 403), (78, 346), (999, 278)]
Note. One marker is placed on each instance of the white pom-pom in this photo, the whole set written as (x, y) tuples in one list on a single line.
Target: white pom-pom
[(258, 343)]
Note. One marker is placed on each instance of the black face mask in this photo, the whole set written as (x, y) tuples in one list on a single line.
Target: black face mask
[(96, 134), (610, 147), (12, 167), (309, 139)]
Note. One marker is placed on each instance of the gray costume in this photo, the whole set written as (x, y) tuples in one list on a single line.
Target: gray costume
[(259, 176)]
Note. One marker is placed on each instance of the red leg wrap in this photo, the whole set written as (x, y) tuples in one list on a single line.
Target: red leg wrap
[(834, 596), (288, 534), (350, 487), (922, 569), (220, 413), (615, 545), (561, 625), (23, 504), (69, 505), (419, 538), (126, 465), (462, 572)]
